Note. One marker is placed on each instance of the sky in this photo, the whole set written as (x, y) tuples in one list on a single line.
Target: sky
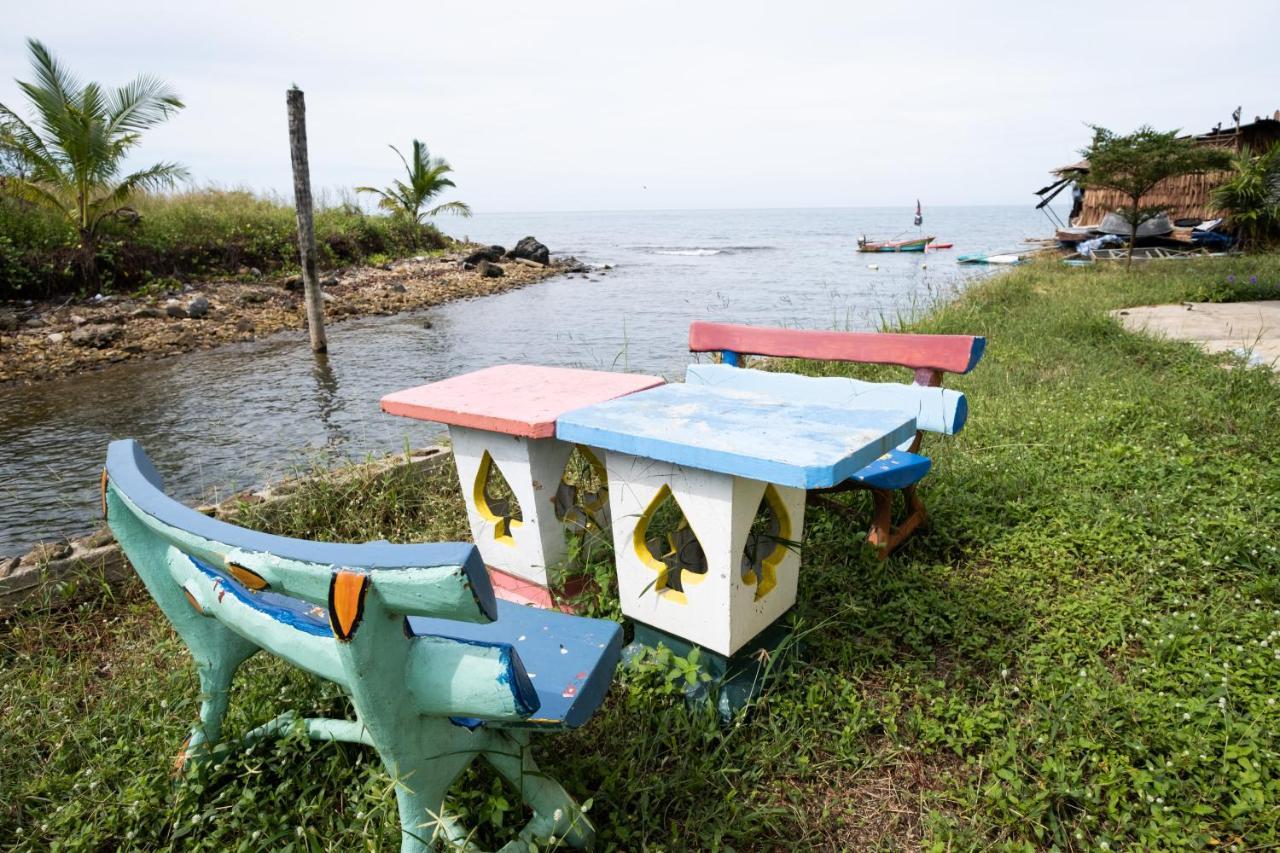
[(665, 105)]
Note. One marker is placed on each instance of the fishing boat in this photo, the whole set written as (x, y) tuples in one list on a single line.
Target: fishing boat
[(915, 245), (1001, 258)]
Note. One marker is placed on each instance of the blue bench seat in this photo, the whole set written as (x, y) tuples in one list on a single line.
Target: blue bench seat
[(897, 469)]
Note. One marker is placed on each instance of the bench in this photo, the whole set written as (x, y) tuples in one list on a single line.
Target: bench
[(935, 409), (439, 672)]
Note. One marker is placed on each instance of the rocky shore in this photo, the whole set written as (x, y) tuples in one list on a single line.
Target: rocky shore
[(40, 341)]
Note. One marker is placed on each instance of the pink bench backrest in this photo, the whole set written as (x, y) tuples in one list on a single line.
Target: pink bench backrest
[(930, 356)]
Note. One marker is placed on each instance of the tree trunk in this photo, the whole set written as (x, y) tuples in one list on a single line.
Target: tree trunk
[(88, 260), (306, 229)]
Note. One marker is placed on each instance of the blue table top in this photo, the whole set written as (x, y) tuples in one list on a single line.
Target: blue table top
[(743, 433)]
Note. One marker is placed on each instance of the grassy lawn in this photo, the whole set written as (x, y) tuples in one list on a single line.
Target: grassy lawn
[(1082, 652)]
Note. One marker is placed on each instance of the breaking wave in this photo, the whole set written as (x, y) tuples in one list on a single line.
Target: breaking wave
[(704, 251)]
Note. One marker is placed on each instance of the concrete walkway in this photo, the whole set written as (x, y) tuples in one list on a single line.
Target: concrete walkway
[(1251, 328)]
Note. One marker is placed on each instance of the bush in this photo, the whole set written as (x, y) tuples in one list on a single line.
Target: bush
[(193, 234)]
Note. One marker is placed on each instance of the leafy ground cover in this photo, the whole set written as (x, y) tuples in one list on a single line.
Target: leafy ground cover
[(197, 233), (1082, 652)]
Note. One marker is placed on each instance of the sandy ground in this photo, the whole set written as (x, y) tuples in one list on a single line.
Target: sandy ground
[(1244, 328)]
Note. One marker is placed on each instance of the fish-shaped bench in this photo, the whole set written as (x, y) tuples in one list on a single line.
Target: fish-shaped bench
[(438, 671)]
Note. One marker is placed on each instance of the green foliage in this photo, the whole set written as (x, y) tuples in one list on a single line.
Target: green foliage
[(70, 158), (1251, 196), (1080, 651), (1133, 164), (428, 177), (193, 234)]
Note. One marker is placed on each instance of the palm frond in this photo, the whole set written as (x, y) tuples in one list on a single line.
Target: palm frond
[(141, 104), (459, 208), (161, 176)]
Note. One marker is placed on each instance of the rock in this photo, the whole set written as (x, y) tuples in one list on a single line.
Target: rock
[(47, 551), (78, 320), (530, 248), (56, 338), (466, 266), (427, 324), (488, 253), (30, 323), (244, 324), (174, 309), (255, 272), (387, 266), (490, 270), (528, 263), (254, 297), (293, 283), (97, 335), (8, 322), (608, 266), (197, 307), (8, 564), (398, 288), (328, 297), (147, 312), (102, 536), (329, 281)]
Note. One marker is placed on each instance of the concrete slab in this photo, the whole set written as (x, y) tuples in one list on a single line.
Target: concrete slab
[(1244, 328)]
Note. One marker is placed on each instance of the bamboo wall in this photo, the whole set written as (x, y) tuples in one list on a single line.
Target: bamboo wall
[(1184, 196)]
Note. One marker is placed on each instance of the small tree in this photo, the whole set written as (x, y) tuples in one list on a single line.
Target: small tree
[(428, 177), (70, 160), (1134, 164), (1251, 196)]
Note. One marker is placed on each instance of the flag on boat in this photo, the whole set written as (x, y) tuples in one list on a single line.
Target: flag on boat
[(919, 215)]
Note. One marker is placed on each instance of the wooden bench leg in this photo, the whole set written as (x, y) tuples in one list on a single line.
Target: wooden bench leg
[(882, 534)]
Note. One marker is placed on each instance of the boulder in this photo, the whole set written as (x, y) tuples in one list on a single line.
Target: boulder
[(528, 263), (488, 253), (293, 283), (329, 281), (57, 337), (8, 322), (47, 551), (490, 270), (146, 312), (254, 297), (530, 248), (174, 309), (33, 323), (398, 288), (96, 335), (197, 307)]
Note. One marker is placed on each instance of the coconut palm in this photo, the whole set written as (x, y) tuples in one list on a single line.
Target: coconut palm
[(428, 176), (74, 154)]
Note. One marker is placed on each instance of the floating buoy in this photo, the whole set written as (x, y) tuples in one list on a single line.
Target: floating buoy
[(873, 266)]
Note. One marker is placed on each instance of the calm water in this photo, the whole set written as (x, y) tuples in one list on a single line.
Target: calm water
[(220, 420)]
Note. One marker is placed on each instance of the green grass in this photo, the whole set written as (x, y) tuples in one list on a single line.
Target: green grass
[(1081, 650), (194, 234)]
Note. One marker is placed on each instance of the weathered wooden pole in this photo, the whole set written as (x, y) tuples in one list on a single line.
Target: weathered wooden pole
[(306, 230)]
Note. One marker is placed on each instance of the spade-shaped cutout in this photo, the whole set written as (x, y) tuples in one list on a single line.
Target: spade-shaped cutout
[(582, 498), (767, 543), (666, 543), (495, 500)]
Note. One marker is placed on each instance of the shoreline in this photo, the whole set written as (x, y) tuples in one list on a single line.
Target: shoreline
[(46, 341)]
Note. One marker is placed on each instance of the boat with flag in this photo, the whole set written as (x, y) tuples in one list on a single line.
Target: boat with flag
[(915, 244)]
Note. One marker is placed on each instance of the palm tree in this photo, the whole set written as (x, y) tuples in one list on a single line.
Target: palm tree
[(74, 154), (428, 176)]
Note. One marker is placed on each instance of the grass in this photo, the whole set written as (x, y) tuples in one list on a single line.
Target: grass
[(1080, 653), (198, 233)]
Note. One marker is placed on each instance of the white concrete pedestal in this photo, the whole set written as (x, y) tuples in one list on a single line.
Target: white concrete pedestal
[(722, 609)]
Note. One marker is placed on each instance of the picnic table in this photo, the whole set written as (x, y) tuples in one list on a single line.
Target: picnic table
[(738, 464), (503, 420)]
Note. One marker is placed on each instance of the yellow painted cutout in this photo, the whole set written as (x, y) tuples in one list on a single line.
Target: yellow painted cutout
[(502, 525), (346, 602), (104, 492), (641, 547), (247, 577), (769, 565), (602, 496), (191, 599)]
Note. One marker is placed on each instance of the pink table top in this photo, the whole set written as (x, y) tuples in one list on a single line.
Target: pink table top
[(516, 399)]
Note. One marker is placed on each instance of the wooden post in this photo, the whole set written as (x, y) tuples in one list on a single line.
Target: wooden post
[(306, 230)]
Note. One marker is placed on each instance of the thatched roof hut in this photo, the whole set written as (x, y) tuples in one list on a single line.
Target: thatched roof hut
[(1185, 196)]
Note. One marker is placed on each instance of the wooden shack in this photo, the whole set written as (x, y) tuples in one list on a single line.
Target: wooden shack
[(1184, 196)]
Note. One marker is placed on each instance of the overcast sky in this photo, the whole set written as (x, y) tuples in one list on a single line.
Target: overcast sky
[(609, 105)]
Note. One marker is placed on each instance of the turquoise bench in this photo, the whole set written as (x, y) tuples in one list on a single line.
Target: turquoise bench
[(936, 409), (438, 671)]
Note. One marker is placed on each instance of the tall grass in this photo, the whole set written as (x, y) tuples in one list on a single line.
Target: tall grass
[(1078, 654), (192, 234)]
